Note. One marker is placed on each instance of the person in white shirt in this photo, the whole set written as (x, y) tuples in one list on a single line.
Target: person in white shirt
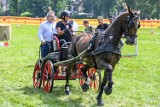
[(75, 25), (46, 32)]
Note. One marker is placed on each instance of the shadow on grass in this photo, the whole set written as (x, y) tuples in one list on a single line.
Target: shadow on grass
[(30, 66), (56, 98), (129, 56)]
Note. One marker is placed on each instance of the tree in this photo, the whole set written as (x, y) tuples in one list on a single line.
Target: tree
[(13, 7), (148, 8), (1, 9), (106, 7), (61, 5), (38, 7), (132, 3), (157, 9), (99, 7), (55, 5), (88, 5)]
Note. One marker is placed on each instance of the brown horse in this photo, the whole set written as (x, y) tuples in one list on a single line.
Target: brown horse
[(106, 50)]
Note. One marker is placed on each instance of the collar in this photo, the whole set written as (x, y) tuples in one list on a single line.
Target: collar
[(64, 22), (50, 22)]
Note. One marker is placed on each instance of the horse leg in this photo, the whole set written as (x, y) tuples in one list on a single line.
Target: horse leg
[(84, 69), (68, 69), (108, 89), (99, 97), (104, 81)]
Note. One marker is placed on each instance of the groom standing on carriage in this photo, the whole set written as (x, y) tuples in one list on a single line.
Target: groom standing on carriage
[(64, 30)]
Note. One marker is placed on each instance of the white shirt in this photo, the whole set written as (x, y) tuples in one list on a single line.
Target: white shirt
[(46, 31), (75, 26)]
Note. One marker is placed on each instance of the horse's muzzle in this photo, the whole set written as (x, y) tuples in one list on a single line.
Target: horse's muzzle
[(131, 41)]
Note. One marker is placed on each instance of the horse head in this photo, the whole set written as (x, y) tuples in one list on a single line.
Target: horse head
[(130, 26)]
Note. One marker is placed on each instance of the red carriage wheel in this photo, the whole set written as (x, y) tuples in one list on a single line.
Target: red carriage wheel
[(48, 76), (95, 77), (82, 79), (37, 75)]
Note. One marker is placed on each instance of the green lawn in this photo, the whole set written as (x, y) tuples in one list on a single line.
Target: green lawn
[(137, 79)]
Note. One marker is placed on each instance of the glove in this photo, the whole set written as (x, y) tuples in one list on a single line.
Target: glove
[(66, 30)]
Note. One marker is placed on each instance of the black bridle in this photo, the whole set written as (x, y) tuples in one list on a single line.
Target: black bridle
[(131, 38), (130, 23)]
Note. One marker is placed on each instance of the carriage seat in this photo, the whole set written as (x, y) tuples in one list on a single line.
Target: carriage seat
[(64, 49), (56, 44)]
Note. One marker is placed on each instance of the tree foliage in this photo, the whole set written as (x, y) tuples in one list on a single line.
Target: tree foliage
[(149, 8), (99, 7), (38, 8)]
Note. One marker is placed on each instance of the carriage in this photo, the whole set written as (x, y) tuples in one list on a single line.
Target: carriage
[(101, 52), (48, 69)]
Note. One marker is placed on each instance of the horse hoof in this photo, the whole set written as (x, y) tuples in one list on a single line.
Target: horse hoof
[(68, 92), (85, 87), (107, 90), (100, 102)]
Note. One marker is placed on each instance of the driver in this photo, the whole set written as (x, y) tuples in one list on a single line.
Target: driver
[(46, 32)]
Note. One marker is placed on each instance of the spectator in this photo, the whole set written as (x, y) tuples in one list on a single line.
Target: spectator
[(88, 28), (74, 25), (102, 26), (111, 19)]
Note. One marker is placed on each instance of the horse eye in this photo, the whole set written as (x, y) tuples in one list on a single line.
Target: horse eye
[(131, 24)]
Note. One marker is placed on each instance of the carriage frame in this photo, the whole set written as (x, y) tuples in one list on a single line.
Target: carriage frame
[(49, 69)]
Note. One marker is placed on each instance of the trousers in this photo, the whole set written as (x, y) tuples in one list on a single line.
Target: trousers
[(46, 49)]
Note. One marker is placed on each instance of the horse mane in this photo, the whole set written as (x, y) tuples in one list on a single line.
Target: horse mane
[(117, 20)]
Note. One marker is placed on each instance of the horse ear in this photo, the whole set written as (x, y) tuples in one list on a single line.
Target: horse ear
[(128, 9), (138, 12)]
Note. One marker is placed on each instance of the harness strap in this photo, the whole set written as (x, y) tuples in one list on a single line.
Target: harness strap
[(95, 65), (91, 42), (107, 48), (103, 47)]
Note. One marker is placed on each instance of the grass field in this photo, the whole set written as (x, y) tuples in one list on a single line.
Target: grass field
[(137, 79)]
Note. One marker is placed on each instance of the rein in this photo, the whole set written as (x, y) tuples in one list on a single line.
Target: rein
[(111, 35)]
